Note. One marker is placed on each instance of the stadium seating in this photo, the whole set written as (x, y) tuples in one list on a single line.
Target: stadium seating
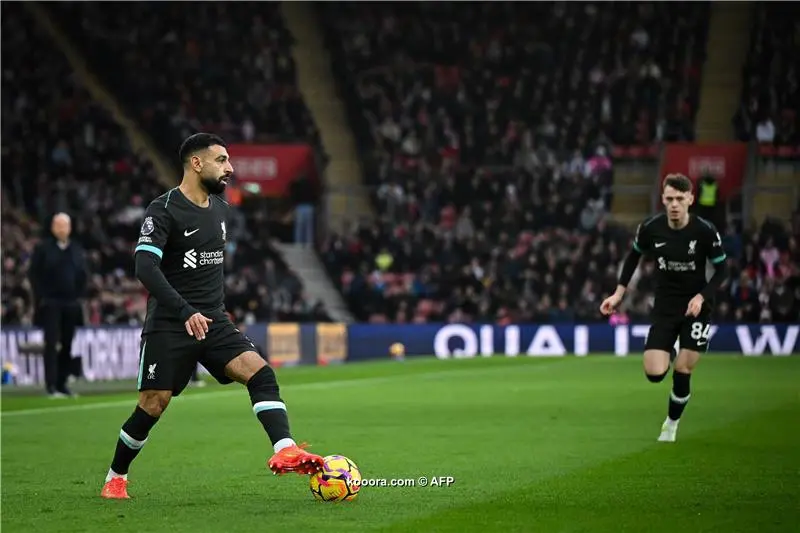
[(60, 150), (489, 135), (424, 273), (471, 81), (240, 84), (770, 108), (15, 231), (764, 285), (63, 152), (486, 128)]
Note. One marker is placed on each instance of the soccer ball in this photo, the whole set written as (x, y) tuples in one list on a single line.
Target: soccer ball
[(338, 481), (397, 350)]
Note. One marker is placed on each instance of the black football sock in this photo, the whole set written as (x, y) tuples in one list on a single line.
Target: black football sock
[(679, 396), (132, 438), (269, 408), (656, 378)]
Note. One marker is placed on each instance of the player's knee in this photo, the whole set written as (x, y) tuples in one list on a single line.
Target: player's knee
[(154, 402), (686, 361), (656, 378), (244, 367), (656, 368), (263, 386)]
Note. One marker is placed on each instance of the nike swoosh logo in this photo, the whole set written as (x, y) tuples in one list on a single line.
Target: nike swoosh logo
[(701, 343), (660, 244), (186, 233)]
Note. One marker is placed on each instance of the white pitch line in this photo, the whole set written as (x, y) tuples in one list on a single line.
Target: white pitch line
[(300, 386)]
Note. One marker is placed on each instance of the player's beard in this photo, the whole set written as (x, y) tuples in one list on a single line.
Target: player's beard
[(214, 185)]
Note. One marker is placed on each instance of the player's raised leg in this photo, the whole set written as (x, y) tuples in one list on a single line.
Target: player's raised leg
[(656, 365), (250, 369), (231, 356), (658, 348)]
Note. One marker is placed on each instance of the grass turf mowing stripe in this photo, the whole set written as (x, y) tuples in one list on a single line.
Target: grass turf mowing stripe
[(569, 448), (622, 491), (289, 387)]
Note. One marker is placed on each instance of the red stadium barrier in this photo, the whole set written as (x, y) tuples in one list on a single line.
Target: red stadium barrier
[(270, 169), (725, 161)]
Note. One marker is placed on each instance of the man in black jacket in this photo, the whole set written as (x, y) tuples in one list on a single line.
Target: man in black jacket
[(58, 275)]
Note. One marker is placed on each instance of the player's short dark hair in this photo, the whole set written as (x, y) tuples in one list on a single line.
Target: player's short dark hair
[(679, 182), (197, 142)]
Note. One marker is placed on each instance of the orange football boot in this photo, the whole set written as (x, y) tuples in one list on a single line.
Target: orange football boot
[(116, 489), (295, 459)]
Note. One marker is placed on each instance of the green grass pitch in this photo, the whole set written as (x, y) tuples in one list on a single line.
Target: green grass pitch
[(550, 445)]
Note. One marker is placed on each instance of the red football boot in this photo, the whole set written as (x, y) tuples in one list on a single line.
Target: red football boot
[(295, 459), (115, 489)]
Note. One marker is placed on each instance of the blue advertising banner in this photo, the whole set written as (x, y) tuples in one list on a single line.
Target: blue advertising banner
[(112, 352), (461, 340)]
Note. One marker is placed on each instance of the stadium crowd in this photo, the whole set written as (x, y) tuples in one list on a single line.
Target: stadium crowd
[(487, 133), (467, 265), (241, 84), (429, 84), (81, 163), (770, 107)]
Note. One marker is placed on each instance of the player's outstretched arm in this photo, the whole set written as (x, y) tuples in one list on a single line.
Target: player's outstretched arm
[(628, 268), (641, 245)]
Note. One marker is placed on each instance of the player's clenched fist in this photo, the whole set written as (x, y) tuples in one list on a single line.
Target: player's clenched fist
[(197, 326), (610, 304)]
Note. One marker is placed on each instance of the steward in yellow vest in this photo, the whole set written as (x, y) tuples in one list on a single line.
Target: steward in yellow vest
[(707, 193)]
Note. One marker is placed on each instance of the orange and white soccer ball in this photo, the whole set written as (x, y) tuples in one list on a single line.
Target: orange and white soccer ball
[(338, 481)]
